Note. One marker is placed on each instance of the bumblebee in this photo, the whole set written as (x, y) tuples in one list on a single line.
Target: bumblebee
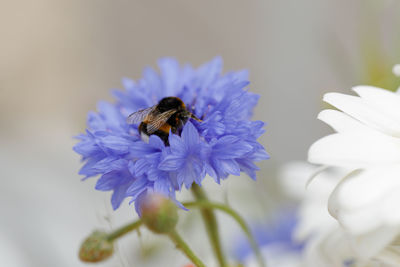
[(170, 114)]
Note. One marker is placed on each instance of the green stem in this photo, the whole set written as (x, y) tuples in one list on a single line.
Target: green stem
[(124, 230), (210, 222), (180, 244), (210, 205)]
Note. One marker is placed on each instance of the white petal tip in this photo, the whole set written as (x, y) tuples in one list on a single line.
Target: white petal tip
[(359, 88), (330, 97), (396, 70), (327, 96), (326, 114)]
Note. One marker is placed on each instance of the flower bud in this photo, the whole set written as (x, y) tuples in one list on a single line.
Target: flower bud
[(96, 248), (159, 213)]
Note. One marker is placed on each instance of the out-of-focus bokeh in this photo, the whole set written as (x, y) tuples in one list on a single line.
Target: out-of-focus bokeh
[(58, 58)]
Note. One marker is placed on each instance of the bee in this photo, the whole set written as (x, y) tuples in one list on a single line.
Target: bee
[(169, 115)]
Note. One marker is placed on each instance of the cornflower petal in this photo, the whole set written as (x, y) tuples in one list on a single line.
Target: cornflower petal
[(176, 144), (171, 163), (119, 195), (190, 135)]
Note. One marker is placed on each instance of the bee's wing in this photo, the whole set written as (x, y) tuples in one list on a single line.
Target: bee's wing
[(159, 120), (138, 116)]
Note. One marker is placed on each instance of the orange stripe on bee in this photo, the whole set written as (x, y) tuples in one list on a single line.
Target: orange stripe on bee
[(165, 128)]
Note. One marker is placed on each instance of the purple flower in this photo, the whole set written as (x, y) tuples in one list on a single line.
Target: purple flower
[(224, 143), (277, 235)]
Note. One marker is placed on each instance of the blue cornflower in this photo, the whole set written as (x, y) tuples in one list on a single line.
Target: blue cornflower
[(224, 143), (276, 239)]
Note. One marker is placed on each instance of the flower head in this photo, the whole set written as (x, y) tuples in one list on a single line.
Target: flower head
[(223, 143), (367, 144)]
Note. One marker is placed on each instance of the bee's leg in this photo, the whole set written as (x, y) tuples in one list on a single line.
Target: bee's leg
[(194, 117), (166, 142), (164, 137)]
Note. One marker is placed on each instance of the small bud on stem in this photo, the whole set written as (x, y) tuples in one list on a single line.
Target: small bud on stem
[(96, 247), (159, 214)]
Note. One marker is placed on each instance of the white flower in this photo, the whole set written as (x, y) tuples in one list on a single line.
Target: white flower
[(367, 199), (326, 243)]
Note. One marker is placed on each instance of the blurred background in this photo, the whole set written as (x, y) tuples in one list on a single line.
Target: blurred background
[(59, 58)]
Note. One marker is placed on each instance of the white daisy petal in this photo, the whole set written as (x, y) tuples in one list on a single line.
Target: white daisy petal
[(365, 200), (360, 221), (388, 103), (391, 203), (334, 203), (360, 110), (355, 150), (341, 122), (370, 244), (328, 248), (368, 186)]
